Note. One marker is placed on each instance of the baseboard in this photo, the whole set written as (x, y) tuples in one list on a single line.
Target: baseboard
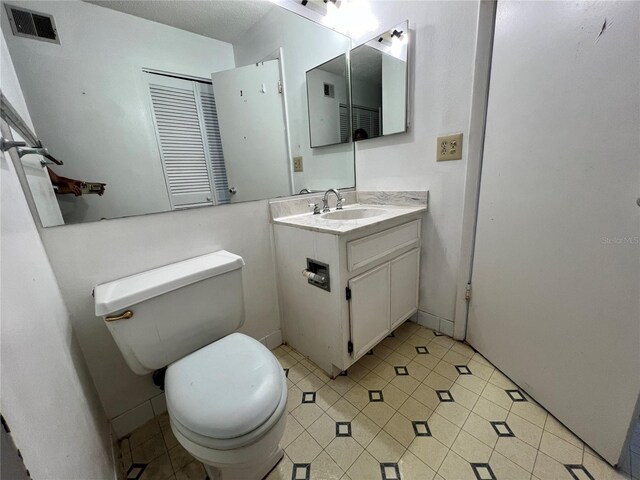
[(433, 322)]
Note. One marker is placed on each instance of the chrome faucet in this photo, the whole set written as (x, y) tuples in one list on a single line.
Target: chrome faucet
[(325, 200)]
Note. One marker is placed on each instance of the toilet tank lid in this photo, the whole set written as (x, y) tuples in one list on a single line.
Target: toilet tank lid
[(114, 296)]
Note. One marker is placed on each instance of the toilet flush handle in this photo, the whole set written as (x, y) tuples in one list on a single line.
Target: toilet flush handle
[(127, 314)]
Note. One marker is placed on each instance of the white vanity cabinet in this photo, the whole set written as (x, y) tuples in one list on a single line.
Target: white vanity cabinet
[(374, 280)]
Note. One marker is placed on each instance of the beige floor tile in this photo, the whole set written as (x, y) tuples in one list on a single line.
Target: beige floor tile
[(144, 433), (341, 384), (303, 449), (344, 451), (282, 470), (417, 340), (324, 468), (406, 383), (412, 468), (294, 354), (323, 430), (497, 396), (294, 398), (407, 350), (170, 439), (392, 342), (501, 381), (472, 382), (415, 410), (454, 412), (287, 361), (454, 467), (455, 358), (297, 372), (369, 361), (158, 469), (504, 468), (601, 470), (418, 371), (481, 429), (371, 381), (398, 360), (428, 361), (427, 396), (436, 350), (463, 349), (385, 448), (379, 412), (326, 396), (364, 468), (444, 341), (443, 430), (480, 369), (148, 450), (530, 411), (310, 383), (437, 381), (480, 359), (554, 426), (342, 411), (490, 411), (401, 429), (357, 396), (429, 450), (385, 370), (519, 452), (525, 430), (363, 429), (291, 431), (307, 413), (559, 449), (546, 468), (463, 396), (393, 396), (357, 371), (447, 370), (179, 457), (382, 352), (425, 333), (471, 449), (280, 351), (195, 471)]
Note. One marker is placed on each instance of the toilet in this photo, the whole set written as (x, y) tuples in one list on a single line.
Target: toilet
[(226, 392)]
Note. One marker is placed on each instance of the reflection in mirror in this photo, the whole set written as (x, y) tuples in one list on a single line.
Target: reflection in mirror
[(327, 96), (172, 105), (379, 85)]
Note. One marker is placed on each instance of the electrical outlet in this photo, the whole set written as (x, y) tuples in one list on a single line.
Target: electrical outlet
[(297, 164), (449, 147)]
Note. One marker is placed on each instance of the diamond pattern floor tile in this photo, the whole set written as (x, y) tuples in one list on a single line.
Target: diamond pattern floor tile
[(418, 406)]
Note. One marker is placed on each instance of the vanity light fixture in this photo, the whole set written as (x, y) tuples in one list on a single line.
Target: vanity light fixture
[(352, 17)]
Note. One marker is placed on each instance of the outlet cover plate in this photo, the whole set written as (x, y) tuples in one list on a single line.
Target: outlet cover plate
[(297, 164), (449, 147)]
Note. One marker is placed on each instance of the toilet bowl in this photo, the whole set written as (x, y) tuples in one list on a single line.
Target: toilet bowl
[(226, 392), (227, 407)]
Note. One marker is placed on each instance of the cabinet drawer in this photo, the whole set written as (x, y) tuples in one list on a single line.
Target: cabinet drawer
[(367, 250)]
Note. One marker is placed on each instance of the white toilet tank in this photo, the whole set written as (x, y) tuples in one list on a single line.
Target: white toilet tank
[(174, 310)]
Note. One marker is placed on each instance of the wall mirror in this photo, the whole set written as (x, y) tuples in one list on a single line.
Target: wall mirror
[(379, 84), (328, 100), (170, 105)]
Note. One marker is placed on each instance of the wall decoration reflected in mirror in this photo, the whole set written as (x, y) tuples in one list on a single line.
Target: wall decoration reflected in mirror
[(379, 84), (328, 100), (172, 105)]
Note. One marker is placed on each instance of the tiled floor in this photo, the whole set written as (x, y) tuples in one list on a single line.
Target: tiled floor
[(419, 406)]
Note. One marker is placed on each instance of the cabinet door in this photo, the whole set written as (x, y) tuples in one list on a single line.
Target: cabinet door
[(405, 271), (369, 308)]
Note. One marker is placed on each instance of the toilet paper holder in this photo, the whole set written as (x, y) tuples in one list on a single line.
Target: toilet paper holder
[(317, 274)]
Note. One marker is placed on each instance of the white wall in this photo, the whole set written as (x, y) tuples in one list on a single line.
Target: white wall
[(325, 121), (102, 97), (305, 45), (47, 397), (442, 54)]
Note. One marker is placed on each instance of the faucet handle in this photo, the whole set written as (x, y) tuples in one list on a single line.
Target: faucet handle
[(316, 208), (341, 201)]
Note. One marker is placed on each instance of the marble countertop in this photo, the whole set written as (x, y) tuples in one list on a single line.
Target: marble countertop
[(318, 223)]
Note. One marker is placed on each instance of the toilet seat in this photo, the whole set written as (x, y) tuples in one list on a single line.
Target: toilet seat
[(226, 394)]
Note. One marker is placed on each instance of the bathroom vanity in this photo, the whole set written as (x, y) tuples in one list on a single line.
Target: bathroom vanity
[(368, 255)]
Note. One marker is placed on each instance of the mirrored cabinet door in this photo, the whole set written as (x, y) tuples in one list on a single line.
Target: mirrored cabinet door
[(379, 84)]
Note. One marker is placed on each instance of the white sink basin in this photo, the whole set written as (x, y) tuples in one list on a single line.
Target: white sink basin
[(353, 214)]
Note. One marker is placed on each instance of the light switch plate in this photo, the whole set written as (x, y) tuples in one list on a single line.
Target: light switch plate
[(449, 147), (297, 164)]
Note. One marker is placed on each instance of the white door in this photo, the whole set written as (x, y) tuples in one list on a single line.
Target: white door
[(405, 271), (251, 117), (369, 308), (556, 274)]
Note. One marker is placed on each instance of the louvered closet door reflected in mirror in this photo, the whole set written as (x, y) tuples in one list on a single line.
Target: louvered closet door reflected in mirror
[(188, 135)]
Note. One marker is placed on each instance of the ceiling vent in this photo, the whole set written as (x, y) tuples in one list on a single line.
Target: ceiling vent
[(30, 24)]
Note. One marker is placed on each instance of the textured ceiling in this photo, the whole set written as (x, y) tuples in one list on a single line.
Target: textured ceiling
[(366, 64), (220, 19)]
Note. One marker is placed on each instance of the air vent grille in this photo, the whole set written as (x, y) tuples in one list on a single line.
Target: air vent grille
[(26, 23)]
